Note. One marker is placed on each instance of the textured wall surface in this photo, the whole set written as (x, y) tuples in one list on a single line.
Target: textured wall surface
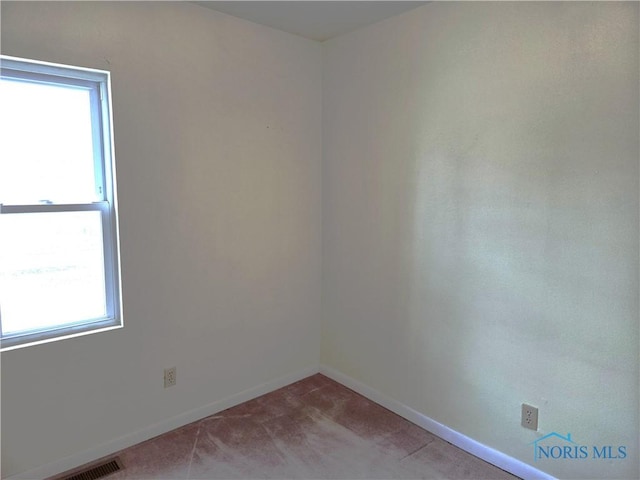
[(217, 142), (480, 207)]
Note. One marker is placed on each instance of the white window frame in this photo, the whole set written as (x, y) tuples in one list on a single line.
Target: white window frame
[(98, 83)]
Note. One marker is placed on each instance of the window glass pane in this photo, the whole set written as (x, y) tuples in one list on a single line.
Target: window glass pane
[(46, 146), (51, 269)]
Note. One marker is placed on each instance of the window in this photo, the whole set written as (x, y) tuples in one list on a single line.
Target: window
[(59, 260)]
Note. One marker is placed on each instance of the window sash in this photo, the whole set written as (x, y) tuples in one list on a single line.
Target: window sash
[(111, 275), (97, 82), (98, 105)]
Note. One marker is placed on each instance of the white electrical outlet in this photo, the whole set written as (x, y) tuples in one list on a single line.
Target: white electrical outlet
[(169, 377), (529, 417)]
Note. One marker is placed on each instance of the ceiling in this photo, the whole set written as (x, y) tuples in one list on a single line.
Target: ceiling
[(315, 20)]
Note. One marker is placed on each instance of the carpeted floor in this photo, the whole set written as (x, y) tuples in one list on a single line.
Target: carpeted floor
[(312, 429)]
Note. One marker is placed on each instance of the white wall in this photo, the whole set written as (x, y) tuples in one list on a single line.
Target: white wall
[(480, 225), (480, 209), (218, 145)]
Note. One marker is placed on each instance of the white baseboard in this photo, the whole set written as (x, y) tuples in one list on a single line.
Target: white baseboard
[(113, 446), (488, 454), (467, 444)]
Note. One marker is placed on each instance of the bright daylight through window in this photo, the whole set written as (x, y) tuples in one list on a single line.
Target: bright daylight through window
[(59, 260)]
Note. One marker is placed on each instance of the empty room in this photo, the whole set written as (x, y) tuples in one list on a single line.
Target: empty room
[(302, 240)]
